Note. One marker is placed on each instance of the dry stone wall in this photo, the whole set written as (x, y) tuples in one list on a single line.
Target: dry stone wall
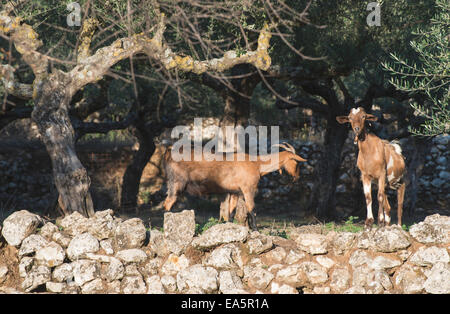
[(104, 254)]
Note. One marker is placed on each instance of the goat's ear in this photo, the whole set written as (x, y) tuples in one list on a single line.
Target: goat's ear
[(371, 117), (342, 119)]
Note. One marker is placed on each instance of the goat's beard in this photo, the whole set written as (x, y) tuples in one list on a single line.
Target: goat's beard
[(358, 136)]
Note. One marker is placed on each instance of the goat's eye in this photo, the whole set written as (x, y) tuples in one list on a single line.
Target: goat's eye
[(364, 117)]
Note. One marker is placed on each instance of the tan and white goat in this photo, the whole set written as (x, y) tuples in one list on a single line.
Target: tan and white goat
[(378, 160)]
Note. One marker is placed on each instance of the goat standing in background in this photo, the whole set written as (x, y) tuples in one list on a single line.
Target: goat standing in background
[(377, 160), (233, 177)]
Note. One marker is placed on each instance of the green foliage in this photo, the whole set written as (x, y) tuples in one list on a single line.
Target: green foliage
[(200, 228), (349, 226), (429, 74)]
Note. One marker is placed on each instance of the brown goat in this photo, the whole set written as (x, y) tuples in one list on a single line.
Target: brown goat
[(377, 160), (209, 176)]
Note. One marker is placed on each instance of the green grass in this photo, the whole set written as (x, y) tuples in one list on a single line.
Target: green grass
[(348, 226), (200, 228)]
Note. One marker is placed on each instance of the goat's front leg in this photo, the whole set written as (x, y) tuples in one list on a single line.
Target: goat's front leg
[(367, 186), (172, 193)]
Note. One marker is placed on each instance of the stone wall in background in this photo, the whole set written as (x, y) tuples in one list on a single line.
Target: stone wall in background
[(105, 254)]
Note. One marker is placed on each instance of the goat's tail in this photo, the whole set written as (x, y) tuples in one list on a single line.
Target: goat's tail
[(396, 145)]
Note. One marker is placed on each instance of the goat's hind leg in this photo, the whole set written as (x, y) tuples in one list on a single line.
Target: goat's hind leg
[(400, 198), (232, 206), (384, 216), (251, 214)]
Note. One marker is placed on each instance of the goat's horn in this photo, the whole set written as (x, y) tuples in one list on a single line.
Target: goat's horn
[(282, 146), (292, 149)]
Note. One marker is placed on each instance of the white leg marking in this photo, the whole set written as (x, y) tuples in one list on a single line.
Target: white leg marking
[(388, 219), (369, 211), (367, 192), (381, 218)]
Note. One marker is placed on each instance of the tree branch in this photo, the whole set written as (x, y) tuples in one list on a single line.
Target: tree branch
[(13, 87), (26, 43)]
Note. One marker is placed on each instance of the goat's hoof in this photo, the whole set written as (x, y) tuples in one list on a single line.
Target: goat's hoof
[(368, 224)]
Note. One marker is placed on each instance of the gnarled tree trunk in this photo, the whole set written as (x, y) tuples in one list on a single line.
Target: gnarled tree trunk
[(51, 116), (133, 173)]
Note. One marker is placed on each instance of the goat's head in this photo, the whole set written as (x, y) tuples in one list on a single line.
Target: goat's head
[(289, 161), (357, 117)]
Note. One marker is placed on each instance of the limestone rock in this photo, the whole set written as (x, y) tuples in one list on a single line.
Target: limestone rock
[(130, 234), (257, 277), (174, 264), (197, 279), (343, 241), (31, 244), (107, 246), (61, 238), (25, 265), (390, 239), (154, 285), (259, 243), (93, 287), (277, 255), (292, 275), (82, 244), (85, 270), (230, 283), (38, 275), (224, 257), (169, 283), (438, 279), (410, 279), (48, 230), (55, 287), (294, 256), (133, 285), (315, 273), (381, 262), (19, 225), (75, 224), (428, 256), (102, 225), (157, 243), (312, 243), (3, 272), (179, 230), (340, 279), (282, 289), (359, 257), (132, 256), (115, 270), (435, 229), (63, 272), (51, 255), (220, 234)]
